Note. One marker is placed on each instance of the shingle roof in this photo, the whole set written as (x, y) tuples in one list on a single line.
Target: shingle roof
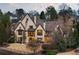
[(16, 25), (32, 17), (39, 22), (15, 20), (50, 25)]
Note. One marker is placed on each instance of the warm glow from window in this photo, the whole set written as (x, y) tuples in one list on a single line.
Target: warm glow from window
[(31, 34), (39, 32)]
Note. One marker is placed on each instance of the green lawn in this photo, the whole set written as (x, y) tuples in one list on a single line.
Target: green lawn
[(50, 52)]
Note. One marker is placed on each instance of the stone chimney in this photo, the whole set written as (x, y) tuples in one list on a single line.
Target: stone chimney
[(44, 25), (35, 19)]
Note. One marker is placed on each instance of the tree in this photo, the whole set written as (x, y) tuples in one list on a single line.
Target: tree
[(9, 13), (1, 12), (5, 20), (34, 13), (61, 45), (65, 12), (71, 41), (63, 6), (4, 28), (76, 35), (51, 12), (42, 15), (3, 34), (60, 41), (19, 13), (6, 23)]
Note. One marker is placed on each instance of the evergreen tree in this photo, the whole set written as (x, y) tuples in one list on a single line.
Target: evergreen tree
[(1, 12), (19, 13), (76, 35), (65, 12), (3, 34), (60, 41), (51, 12), (4, 28), (42, 15)]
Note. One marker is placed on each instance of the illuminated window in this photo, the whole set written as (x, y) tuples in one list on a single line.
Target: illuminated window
[(31, 34), (39, 32), (39, 39), (30, 38)]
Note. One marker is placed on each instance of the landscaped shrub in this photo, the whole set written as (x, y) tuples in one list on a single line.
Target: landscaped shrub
[(61, 46), (48, 46), (12, 40)]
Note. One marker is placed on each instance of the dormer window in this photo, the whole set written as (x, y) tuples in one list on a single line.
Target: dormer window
[(31, 26)]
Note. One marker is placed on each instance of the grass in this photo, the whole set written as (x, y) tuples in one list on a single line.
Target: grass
[(50, 52)]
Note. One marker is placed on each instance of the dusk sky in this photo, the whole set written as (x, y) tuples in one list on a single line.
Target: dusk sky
[(32, 6)]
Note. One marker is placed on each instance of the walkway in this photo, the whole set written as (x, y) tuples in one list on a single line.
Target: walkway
[(67, 53), (4, 51)]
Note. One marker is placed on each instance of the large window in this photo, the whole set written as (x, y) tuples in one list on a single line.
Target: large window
[(31, 34), (31, 40), (39, 32), (19, 32)]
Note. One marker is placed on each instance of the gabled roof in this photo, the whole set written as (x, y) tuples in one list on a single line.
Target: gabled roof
[(31, 17), (31, 29), (50, 25), (17, 25), (15, 20), (39, 22), (41, 26), (20, 30)]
